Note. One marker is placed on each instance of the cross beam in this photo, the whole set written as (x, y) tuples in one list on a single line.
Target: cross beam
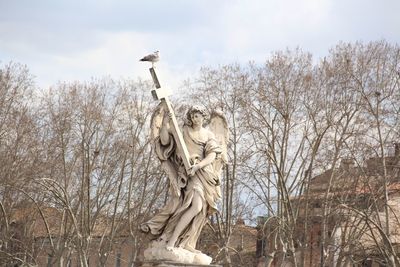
[(162, 95)]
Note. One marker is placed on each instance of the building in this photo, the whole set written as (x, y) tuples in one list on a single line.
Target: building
[(342, 217), (46, 236)]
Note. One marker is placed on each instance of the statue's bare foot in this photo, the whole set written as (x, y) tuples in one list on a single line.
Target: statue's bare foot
[(144, 228), (191, 249), (169, 248)]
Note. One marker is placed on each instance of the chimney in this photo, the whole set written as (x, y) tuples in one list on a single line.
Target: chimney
[(346, 163)]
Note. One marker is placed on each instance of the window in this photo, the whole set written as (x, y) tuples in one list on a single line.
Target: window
[(118, 260), (49, 260)]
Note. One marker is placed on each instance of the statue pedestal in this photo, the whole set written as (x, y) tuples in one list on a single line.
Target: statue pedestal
[(157, 253), (162, 263)]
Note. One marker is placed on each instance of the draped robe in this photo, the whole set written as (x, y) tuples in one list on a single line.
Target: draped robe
[(205, 182)]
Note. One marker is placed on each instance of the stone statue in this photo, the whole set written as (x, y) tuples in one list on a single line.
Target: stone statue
[(194, 192)]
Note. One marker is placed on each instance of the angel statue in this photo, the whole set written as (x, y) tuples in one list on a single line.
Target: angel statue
[(194, 193)]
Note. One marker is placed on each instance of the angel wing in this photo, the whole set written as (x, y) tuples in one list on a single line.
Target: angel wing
[(155, 126), (219, 126)]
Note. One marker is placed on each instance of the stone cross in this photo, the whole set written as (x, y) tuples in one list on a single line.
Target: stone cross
[(162, 95)]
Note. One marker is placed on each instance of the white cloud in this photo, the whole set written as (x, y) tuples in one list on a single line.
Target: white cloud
[(74, 41)]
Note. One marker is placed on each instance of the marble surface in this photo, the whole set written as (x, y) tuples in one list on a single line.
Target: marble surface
[(160, 263), (157, 251)]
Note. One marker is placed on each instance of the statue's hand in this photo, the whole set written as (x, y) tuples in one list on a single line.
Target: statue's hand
[(194, 169), (144, 228)]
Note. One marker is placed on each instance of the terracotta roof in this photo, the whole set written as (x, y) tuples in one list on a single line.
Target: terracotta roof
[(30, 216)]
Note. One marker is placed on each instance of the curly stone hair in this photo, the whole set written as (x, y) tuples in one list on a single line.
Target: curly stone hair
[(193, 109)]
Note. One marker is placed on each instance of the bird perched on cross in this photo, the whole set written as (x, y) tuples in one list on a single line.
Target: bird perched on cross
[(154, 57)]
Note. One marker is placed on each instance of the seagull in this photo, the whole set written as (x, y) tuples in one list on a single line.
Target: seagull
[(152, 57)]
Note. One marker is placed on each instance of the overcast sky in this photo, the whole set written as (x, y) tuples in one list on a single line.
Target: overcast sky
[(78, 39)]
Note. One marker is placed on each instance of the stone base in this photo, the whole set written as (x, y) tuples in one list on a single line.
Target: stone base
[(157, 253), (170, 264)]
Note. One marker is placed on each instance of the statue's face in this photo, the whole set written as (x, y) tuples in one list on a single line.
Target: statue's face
[(197, 119)]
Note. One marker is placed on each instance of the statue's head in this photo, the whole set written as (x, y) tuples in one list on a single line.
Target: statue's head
[(195, 109)]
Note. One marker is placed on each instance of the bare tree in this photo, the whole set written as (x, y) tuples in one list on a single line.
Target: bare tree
[(19, 155), (101, 169), (374, 71), (308, 145), (223, 89)]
